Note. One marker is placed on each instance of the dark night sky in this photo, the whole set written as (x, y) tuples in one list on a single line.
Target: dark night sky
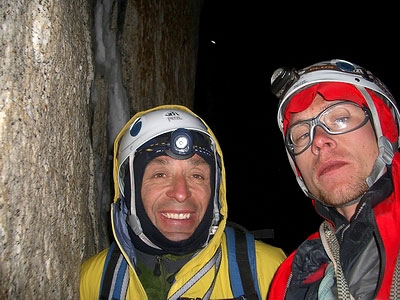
[(232, 95)]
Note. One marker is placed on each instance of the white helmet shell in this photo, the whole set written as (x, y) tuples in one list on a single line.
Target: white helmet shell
[(151, 125)]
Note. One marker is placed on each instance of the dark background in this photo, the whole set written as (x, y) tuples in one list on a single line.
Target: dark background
[(233, 96)]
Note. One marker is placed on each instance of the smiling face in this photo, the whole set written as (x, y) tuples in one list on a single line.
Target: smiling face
[(335, 167), (175, 194)]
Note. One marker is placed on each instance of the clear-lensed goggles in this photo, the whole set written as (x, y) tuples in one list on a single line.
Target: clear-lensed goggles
[(338, 118)]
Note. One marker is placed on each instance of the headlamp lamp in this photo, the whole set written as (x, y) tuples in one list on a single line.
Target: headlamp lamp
[(282, 79), (181, 144)]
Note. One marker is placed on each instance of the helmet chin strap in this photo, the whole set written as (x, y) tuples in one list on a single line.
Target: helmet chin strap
[(386, 149), (133, 220), (137, 229), (385, 157)]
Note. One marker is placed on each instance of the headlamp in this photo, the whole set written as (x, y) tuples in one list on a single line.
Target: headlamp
[(181, 144), (282, 79)]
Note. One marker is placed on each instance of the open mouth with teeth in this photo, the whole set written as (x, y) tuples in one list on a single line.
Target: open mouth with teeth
[(180, 216)]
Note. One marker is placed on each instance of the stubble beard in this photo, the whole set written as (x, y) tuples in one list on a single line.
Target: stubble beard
[(344, 194)]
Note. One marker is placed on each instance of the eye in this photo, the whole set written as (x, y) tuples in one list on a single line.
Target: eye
[(198, 176), (341, 122), (158, 175), (300, 134), (337, 119)]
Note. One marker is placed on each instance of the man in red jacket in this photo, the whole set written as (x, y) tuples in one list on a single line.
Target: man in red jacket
[(341, 131)]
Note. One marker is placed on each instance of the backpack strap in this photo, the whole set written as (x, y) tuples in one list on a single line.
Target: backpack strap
[(241, 258), (242, 263), (115, 278)]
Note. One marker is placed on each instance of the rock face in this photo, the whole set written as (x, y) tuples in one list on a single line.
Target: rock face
[(72, 73)]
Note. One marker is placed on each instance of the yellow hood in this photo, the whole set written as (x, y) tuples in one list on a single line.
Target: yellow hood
[(220, 188)]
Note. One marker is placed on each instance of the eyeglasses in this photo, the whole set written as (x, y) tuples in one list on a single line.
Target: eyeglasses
[(338, 118)]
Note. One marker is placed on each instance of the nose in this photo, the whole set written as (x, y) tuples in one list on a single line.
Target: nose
[(322, 140), (179, 189)]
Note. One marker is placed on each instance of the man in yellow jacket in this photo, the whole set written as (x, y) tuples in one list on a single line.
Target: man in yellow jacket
[(169, 216)]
